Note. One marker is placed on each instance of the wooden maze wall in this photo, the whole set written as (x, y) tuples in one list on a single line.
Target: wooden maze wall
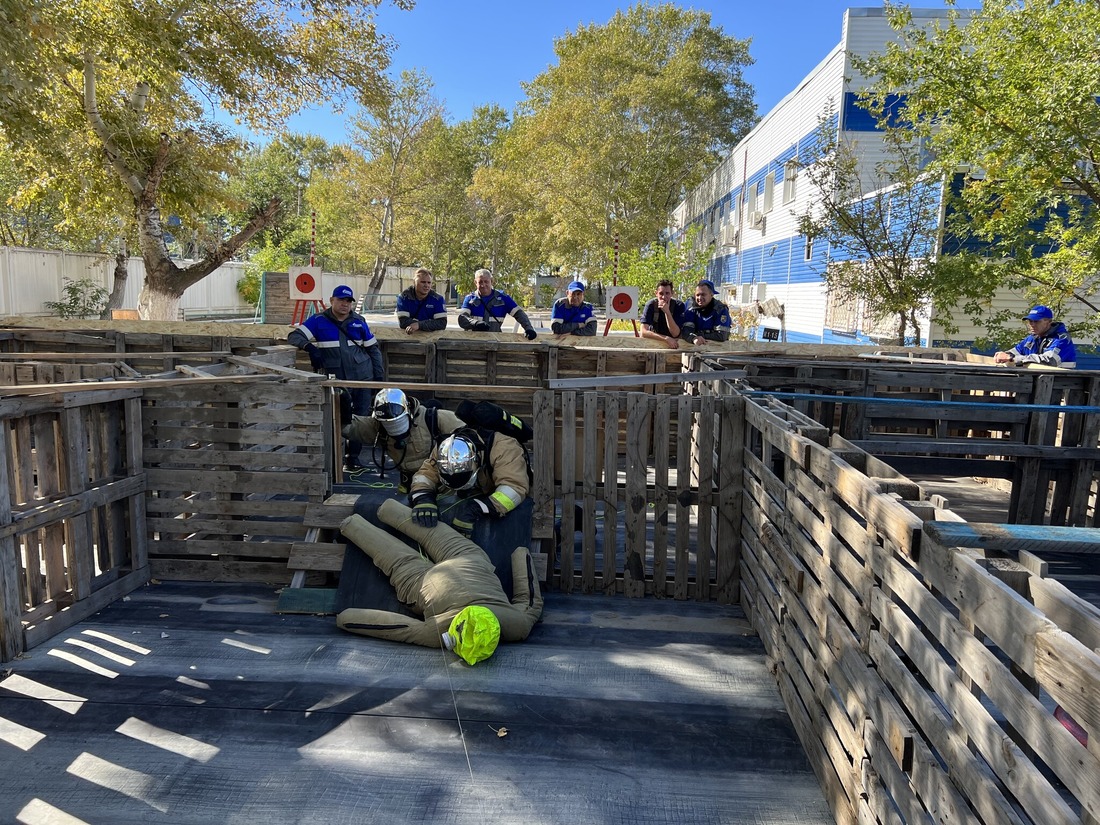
[(922, 658), (1038, 430), (72, 510), (231, 470)]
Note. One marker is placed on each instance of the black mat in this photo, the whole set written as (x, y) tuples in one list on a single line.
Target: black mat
[(362, 584)]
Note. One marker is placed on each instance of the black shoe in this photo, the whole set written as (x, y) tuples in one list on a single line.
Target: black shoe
[(352, 465)]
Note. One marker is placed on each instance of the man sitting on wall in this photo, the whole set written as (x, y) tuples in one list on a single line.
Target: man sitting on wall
[(572, 315), (420, 308), (708, 319), (662, 316), (1047, 343)]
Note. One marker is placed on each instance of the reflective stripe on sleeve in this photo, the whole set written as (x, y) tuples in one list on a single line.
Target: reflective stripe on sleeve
[(506, 498)]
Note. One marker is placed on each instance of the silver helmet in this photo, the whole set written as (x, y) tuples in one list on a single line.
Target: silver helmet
[(458, 461), (391, 409)]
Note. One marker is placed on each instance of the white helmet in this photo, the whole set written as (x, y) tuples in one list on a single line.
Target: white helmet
[(391, 409), (458, 461)]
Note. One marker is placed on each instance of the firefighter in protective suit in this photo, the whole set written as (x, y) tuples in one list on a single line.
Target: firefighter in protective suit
[(459, 595), (406, 429), (487, 470)]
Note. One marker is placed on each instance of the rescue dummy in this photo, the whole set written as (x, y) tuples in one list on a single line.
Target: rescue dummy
[(456, 576)]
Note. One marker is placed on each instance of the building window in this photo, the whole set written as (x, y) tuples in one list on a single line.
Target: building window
[(750, 203), (808, 254), (790, 175), (769, 192)]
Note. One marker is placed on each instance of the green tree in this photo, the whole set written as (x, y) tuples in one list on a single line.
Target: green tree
[(1009, 94), (284, 169), (269, 258), (882, 225), (684, 263), (634, 113), (392, 135), (118, 95)]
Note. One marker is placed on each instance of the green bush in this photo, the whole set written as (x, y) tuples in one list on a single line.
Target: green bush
[(82, 299)]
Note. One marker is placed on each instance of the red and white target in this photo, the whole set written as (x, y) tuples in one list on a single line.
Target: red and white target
[(305, 283), (622, 302)]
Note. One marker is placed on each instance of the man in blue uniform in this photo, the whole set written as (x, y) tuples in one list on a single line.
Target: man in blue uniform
[(420, 308), (708, 319), (485, 309), (1048, 343), (340, 343), (573, 315)]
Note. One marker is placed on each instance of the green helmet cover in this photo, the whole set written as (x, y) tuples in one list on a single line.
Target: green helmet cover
[(475, 632)]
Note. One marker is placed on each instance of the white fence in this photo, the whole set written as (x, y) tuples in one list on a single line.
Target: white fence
[(30, 277)]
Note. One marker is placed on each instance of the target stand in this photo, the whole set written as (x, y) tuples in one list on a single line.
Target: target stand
[(303, 309), (622, 303), (305, 289)]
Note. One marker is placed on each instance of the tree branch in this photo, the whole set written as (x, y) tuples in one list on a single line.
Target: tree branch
[(95, 120), (227, 248)]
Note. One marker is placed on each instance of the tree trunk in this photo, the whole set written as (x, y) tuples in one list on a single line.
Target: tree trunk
[(118, 286), (165, 282), (902, 321)]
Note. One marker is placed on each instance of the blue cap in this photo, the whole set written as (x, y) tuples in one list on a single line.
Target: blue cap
[(1038, 313), (343, 292), (576, 286), (708, 284)]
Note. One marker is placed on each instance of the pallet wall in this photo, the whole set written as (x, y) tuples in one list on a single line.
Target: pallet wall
[(921, 669), (652, 485), (72, 510), (231, 469)]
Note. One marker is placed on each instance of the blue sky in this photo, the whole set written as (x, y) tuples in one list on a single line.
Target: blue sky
[(479, 51)]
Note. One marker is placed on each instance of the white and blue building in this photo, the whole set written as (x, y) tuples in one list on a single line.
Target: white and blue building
[(745, 209)]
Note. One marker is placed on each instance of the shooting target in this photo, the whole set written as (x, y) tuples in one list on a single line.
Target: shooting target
[(305, 283), (622, 302)]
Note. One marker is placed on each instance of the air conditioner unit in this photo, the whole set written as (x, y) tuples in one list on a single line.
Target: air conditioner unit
[(756, 219), (729, 235)]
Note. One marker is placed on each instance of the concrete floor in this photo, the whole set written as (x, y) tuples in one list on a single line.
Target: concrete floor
[(196, 703)]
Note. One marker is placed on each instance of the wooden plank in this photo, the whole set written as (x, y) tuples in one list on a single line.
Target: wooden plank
[(193, 547), (255, 434), (611, 491), (331, 513), (569, 488), (220, 526), (542, 463), (11, 599), (661, 416), (618, 381), (731, 443), (262, 366), (48, 465), (637, 425), (228, 481), (1010, 538), (937, 727), (244, 459), (704, 456), (79, 547), (684, 428), (1066, 609), (316, 555), (591, 420), (255, 507)]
